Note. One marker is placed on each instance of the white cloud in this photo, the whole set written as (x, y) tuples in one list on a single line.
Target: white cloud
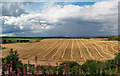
[(69, 20)]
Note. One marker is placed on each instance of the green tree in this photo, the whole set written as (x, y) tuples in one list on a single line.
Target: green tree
[(119, 38), (113, 37), (13, 56)]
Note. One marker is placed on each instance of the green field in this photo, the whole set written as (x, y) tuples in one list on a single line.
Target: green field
[(23, 38)]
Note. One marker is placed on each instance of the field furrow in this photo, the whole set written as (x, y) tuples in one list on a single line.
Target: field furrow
[(67, 55), (114, 46), (64, 50), (46, 50), (101, 50), (82, 54), (18, 46), (61, 50), (76, 51), (104, 48), (34, 51), (53, 51), (110, 47), (95, 53), (85, 50)]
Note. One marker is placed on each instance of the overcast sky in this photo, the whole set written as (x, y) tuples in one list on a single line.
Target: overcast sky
[(66, 19)]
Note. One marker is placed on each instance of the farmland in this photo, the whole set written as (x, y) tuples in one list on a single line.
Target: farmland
[(22, 38), (61, 50)]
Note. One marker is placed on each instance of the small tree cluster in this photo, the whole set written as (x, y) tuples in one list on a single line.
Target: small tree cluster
[(114, 38)]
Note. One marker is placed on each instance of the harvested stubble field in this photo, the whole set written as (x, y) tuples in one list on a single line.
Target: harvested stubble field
[(53, 50)]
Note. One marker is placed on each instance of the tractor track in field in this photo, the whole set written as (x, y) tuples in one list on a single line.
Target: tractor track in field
[(53, 50)]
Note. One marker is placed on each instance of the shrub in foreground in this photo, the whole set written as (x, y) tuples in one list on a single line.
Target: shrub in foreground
[(12, 61)]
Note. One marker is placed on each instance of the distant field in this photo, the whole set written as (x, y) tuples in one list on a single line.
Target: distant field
[(52, 50), (23, 38)]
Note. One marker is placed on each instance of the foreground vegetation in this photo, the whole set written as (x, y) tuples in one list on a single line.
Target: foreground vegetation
[(12, 65)]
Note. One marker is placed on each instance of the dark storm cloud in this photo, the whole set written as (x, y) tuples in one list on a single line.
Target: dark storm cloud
[(13, 9), (99, 19)]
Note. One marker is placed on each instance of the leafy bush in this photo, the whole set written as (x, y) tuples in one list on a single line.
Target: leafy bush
[(112, 63), (114, 37), (13, 56), (92, 65), (70, 64)]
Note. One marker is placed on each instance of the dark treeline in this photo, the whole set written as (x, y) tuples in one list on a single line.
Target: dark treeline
[(61, 37)]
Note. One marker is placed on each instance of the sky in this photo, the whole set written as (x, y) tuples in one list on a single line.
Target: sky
[(59, 19)]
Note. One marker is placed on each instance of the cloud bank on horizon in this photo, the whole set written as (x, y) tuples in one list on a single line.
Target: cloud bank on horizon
[(64, 19)]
